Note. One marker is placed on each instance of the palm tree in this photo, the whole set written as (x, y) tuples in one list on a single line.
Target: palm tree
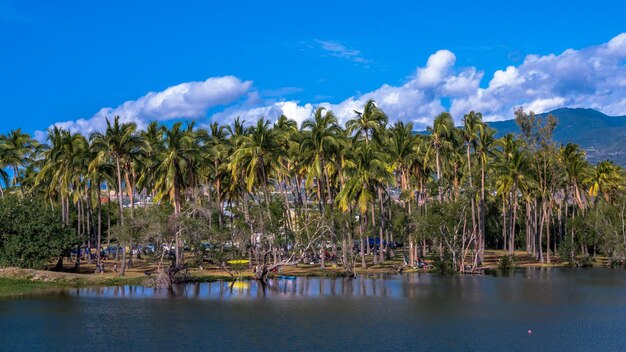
[(4, 163), (372, 119), (471, 124), (606, 179), (237, 128), (58, 170), (100, 170), (153, 138), (576, 170), (287, 132), (402, 150), (122, 143), (16, 147), (368, 175), (441, 137), (512, 179), (176, 160), (320, 139), (256, 157), (64, 173), (218, 152), (485, 149)]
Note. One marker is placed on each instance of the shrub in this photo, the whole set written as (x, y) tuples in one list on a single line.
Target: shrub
[(442, 263), (31, 234), (506, 262)]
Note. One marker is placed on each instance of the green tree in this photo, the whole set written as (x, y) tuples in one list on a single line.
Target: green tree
[(31, 234), (122, 144)]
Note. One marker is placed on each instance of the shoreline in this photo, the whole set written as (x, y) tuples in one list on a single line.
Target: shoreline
[(18, 282)]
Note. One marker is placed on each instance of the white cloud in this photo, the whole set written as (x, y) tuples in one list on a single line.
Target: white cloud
[(186, 100), (543, 105), (437, 68), (508, 77), (339, 50), (291, 109), (617, 45), (592, 77)]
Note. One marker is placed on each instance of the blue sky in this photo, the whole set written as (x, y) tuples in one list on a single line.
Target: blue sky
[(62, 61)]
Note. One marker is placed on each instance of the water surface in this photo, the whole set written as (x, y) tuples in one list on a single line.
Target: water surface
[(566, 309)]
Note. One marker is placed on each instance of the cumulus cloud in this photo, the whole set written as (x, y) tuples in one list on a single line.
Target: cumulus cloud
[(437, 68), (185, 100), (593, 77), (291, 109)]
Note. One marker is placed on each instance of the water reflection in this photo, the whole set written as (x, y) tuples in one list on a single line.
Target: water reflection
[(382, 285), (541, 285)]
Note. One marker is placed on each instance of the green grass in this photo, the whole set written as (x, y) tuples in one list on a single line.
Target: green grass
[(19, 286), (16, 287)]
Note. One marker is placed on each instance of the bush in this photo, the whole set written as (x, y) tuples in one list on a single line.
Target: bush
[(506, 263), (616, 262), (442, 263), (31, 234), (586, 262), (566, 252)]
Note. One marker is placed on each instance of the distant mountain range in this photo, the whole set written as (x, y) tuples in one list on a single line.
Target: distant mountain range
[(603, 137)]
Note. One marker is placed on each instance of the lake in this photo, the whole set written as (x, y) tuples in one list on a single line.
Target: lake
[(530, 310)]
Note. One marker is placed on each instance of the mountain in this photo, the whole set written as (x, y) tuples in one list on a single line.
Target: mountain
[(603, 137)]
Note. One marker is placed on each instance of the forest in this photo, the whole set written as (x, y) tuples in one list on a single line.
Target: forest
[(275, 193)]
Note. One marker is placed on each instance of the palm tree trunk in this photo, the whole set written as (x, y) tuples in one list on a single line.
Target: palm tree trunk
[(119, 199), (108, 217), (410, 233), (540, 235), (572, 253), (218, 191), (89, 225), (99, 238), (504, 237), (481, 216), (513, 223), (177, 210), (119, 190), (15, 175), (332, 218), (528, 227), (283, 189), (367, 242), (381, 257), (363, 264), (63, 210), (548, 260), (535, 228), (440, 196), (80, 235), (348, 263), (131, 197)]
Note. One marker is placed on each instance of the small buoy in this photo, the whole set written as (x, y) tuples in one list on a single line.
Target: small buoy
[(530, 331)]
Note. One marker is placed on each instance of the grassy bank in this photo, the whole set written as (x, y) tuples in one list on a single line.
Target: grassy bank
[(12, 287), (14, 281)]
